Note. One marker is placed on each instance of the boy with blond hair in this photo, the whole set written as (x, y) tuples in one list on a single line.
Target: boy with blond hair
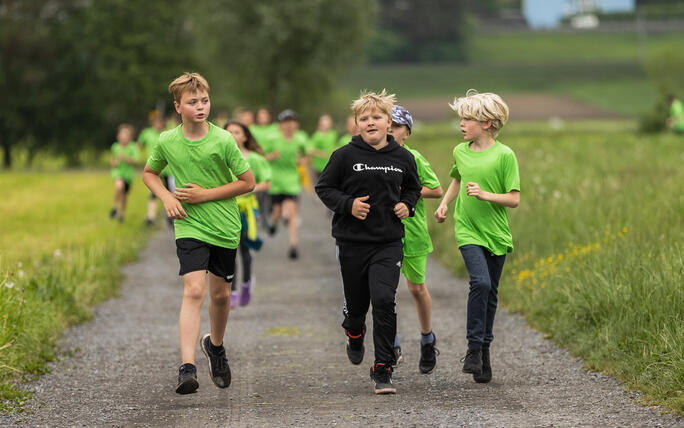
[(485, 181), (205, 159), (371, 184)]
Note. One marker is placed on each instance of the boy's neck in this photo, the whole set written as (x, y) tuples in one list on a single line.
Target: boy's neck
[(195, 131), (482, 143)]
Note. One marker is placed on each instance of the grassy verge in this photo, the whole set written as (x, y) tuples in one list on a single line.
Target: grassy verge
[(59, 256), (599, 258)]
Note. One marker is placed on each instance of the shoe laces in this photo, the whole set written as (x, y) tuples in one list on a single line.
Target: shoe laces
[(382, 372), (428, 348), (469, 352), (220, 360)]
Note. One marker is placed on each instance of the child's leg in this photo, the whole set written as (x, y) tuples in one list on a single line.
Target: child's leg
[(124, 199), (276, 212), (119, 186), (413, 269), (246, 257), (354, 269), (480, 288), (152, 207), (195, 288), (290, 209), (383, 279), (495, 266), (219, 307)]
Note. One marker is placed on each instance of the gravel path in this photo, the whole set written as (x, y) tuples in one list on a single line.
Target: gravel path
[(286, 351)]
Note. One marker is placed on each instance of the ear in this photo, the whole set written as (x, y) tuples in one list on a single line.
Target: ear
[(487, 124), (176, 104)]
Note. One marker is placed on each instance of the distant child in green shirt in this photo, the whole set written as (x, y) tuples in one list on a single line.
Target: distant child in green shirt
[(205, 160), (417, 244), (485, 181), (321, 145), (148, 139), (351, 130), (676, 120), (125, 156)]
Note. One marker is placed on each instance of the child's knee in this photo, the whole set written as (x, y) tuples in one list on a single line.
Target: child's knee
[(220, 295), (194, 291), (480, 285), (417, 290)]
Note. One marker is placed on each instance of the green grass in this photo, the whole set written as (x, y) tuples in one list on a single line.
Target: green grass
[(59, 256), (602, 69), (599, 258)]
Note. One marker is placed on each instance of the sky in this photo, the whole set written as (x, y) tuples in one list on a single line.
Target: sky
[(548, 13)]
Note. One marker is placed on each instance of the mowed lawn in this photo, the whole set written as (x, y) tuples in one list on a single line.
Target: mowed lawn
[(599, 244), (59, 255)]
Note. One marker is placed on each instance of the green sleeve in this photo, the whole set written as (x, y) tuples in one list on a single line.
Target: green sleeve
[(266, 174), (157, 160), (511, 173), (454, 173), (236, 162), (426, 175)]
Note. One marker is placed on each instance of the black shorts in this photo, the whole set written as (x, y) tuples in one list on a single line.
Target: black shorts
[(127, 185), (280, 198), (195, 255)]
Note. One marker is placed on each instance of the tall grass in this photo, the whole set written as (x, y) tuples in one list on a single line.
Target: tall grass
[(599, 260), (59, 256)]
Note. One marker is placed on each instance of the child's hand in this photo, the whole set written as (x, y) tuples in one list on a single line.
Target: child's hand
[(174, 209), (191, 193), (360, 208), (441, 213), (473, 189), (401, 210)]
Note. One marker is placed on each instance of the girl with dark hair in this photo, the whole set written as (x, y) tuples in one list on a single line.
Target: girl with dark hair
[(249, 208)]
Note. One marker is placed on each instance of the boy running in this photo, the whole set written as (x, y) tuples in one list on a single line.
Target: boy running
[(205, 159), (485, 182), (321, 144), (125, 156), (417, 244), (371, 184), (148, 139)]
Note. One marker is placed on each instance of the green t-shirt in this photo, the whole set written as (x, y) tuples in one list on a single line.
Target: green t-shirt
[(677, 115), (208, 163), (480, 222), (417, 239), (260, 167), (324, 141), (285, 178), (148, 139), (125, 170), (344, 140), (264, 134)]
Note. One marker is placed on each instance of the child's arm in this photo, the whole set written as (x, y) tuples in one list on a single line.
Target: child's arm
[(173, 208), (450, 195), (194, 194), (510, 199), (263, 186), (328, 190), (410, 192), (435, 192)]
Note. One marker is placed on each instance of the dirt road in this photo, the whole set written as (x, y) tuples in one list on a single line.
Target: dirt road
[(286, 351)]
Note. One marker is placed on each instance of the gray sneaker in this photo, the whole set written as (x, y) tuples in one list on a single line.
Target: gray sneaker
[(218, 363), (381, 375)]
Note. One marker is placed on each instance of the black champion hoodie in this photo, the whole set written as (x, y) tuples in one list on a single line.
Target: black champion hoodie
[(388, 176)]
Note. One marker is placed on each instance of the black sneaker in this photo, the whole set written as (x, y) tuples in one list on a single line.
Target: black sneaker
[(486, 374), (112, 214), (272, 229), (292, 254), (187, 379), (218, 363), (472, 362), (355, 348), (398, 358), (149, 222), (381, 374), (428, 357)]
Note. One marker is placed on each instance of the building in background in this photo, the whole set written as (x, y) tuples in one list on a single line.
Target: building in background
[(547, 14)]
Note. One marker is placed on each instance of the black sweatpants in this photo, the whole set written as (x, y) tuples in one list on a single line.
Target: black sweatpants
[(246, 259), (370, 274)]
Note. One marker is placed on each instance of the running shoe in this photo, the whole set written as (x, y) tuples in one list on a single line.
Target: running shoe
[(398, 358), (381, 375), (245, 293), (355, 348), (486, 374), (293, 254), (218, 363), (187, 379), (233, 299), (112, 213), (472, 362), (428, 357)]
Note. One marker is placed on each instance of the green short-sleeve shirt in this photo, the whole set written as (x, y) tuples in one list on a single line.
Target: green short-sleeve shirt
[(260, 167), (480, 222), (344, 140), (417, 239), (323, 141), (125, 170), (285, 178), (148, 139), (677, 115), (210, 162), (265, 134)]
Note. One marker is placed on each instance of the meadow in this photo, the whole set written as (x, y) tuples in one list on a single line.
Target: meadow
[(59, 256), (599, 260)]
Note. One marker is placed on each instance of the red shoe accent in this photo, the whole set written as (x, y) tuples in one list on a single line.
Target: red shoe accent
[(354, 337)]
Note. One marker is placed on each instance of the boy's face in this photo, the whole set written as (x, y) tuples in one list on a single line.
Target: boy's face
[(288, 127), (193, 107), (473, 129), (124, 136), (263, 117), (373, 125), (399, 132), (325, 123), (238, 133), (246, 118)]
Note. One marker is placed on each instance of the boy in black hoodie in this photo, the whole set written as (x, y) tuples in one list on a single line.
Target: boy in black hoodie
[(371, 184)]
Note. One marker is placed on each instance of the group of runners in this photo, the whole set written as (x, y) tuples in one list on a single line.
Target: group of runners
[(227, 177)]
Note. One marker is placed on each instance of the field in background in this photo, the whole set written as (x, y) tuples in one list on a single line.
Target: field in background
[(59, 256), (599, 259), (604, 70)]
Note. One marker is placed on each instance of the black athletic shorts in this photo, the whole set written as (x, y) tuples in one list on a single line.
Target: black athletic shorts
[(279, 198), (127, 185), (195, 255)]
